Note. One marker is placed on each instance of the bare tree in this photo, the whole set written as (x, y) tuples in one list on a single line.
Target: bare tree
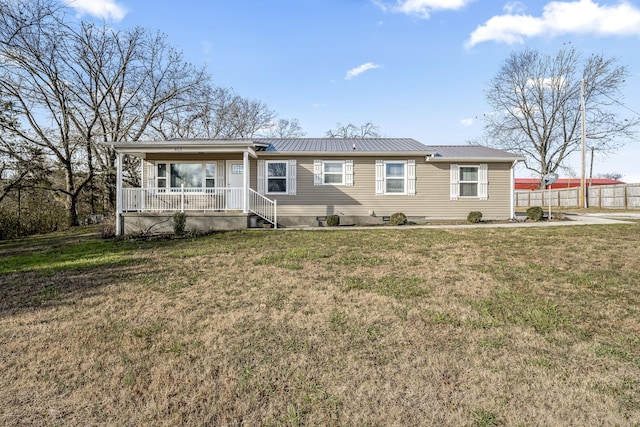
[(610, 175), (35, 81), (129, 81), (536, 103), (367, 130), (72, 86), (285, 128), (218, 113)]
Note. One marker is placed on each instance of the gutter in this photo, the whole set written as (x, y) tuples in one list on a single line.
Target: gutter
[(341, 153), (473, 159)]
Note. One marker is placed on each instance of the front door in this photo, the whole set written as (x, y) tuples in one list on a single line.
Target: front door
[(235, 184)]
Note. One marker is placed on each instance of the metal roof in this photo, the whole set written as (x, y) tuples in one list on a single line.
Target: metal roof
[(469, 151), (343, 145), (320, 146)]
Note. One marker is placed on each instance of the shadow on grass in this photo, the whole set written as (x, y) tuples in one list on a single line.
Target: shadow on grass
[(61, 268)]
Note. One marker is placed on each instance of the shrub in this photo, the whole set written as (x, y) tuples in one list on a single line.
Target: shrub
[(108, 226), (474, 217), (398, 218), (333, 220), (179, 223), (535, 213)]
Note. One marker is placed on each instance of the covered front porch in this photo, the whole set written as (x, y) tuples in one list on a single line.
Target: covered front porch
[(204, 178)]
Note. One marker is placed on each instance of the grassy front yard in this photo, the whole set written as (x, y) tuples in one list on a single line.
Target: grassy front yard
[(476, 327)]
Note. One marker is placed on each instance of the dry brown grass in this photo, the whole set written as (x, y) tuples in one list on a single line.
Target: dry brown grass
[(383, 327)]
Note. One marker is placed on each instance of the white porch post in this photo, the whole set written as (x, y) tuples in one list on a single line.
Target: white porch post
[(512, 201), (143, 166), (119, 230), (245, 182)]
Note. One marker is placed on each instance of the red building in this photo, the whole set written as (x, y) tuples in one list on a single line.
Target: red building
[(534, 183)]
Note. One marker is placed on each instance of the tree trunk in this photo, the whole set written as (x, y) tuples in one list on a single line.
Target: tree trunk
[(72, 198), (72, 211)]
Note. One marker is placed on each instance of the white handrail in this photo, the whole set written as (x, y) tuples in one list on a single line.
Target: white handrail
[(201, 199), (264, 207)]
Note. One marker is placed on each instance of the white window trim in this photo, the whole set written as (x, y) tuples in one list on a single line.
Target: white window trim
[(477, 181), (409, 177), (405, 178), (166, 176), (203, 171), (341, 173), (483, 182), (290, 177), (319, 173)]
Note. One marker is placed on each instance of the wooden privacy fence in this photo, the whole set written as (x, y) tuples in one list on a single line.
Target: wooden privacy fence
[(620, 196)]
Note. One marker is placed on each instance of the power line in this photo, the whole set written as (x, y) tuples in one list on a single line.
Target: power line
[(617, 102)]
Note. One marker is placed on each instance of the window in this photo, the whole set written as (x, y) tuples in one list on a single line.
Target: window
[(395, 178), (468, 181), (276, 177), (191, 175), (187, 174), (210, 175), (332, 173), (162, 175)]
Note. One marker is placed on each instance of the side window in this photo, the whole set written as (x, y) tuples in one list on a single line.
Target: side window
[(468, 181), (277, 177), (395, 177), (332, 173), (210, 175), (161, 180)]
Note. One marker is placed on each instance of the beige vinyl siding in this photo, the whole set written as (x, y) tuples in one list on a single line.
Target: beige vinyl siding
[(431, 201), (497, 205)]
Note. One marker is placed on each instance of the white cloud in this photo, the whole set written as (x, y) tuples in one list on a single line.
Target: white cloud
[(421, 8), (105, 9), (573, 17), (354, 72), (514, 7), (467, 122)]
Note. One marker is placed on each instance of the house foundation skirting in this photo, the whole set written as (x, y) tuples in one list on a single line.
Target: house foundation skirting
[(345, 220), (162, 222)]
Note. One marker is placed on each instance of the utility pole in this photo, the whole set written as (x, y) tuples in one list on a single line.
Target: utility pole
[(583, 187)]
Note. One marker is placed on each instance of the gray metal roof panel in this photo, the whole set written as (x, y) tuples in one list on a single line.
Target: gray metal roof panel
[(336, 146), (343, 145), (470, 151)]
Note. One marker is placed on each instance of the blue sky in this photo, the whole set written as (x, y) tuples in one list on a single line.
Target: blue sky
[(415, 68)]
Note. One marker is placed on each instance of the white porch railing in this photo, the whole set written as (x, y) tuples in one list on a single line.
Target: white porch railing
[(265, 208), (182, 199), (198, 199)]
